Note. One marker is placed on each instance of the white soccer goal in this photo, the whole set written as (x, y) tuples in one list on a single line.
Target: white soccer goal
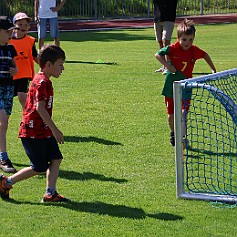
[(206, 160)]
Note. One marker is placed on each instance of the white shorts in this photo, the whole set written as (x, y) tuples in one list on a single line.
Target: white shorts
[(163, 30)]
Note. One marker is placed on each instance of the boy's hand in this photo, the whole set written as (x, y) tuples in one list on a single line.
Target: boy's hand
[(172, 69), (53, 9), (58, 136), (36, 19), (13, 71)]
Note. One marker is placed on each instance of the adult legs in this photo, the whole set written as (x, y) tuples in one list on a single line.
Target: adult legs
[(42, 28), (54, 32)]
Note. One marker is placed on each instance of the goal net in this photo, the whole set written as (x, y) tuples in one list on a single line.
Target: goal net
[(206, 149)]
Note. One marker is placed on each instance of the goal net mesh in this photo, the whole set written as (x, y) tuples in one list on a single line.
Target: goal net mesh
[(210, 157)]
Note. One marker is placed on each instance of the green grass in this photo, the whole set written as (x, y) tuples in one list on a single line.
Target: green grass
[(118, 167)]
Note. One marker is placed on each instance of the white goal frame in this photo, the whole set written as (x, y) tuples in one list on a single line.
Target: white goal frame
[(180, 185)]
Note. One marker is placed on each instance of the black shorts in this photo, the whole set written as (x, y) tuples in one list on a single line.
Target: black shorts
[(41, 152), (21, 85)]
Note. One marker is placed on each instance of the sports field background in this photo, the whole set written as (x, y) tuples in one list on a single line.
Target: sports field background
[(118, 166)]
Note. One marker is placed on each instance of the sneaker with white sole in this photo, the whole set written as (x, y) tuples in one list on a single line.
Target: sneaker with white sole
[(4, 190), (54, 198), (164, 71), (161, 69), (6, 166)]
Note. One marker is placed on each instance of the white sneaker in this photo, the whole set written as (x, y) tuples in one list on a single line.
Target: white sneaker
[(161, 69), (164, 71)]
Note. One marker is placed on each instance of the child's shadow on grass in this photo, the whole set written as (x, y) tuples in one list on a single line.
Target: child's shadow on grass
[(102, 208), (72, 175), (88, 62), (91, 139)]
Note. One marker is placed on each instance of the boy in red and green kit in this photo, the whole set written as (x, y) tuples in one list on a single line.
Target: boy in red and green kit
[(182, 57)]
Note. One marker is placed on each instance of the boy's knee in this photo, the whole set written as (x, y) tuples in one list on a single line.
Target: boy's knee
[(4, 124), (41, 169)]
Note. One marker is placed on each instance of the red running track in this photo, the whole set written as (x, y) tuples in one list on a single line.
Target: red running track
[(82, 25)]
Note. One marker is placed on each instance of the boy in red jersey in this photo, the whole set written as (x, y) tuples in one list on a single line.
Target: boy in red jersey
[(38, 132), (26, 55), (182, 57)]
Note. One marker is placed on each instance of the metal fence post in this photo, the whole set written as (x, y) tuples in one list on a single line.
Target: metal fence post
[(96, 9), (201, 7), (148, 12)]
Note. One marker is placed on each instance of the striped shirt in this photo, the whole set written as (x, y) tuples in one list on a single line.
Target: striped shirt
[(7, 53)]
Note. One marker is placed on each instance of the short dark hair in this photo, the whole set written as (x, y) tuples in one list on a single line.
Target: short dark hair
[(186, 27), (50, 53)]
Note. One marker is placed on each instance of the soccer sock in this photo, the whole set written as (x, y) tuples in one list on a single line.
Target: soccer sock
[(50, 191), (3, 156)]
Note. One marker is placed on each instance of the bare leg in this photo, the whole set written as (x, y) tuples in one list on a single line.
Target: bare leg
[(52, 174), (56, 41), (40, 43), (171, 122), (24, 173), (3, 130), (22, 99), (160, 44), (166, 43)]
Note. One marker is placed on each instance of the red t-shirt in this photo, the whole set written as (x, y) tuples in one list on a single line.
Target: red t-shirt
[(184, 60), (32, 125)]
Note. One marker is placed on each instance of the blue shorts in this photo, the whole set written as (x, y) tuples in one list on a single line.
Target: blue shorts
[(53, 27), (41, 152), (6, 98)]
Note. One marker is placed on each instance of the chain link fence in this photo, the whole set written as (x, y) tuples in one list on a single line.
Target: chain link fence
[(104, 9)]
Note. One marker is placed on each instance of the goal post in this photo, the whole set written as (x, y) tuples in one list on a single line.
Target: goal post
[(206, 160)]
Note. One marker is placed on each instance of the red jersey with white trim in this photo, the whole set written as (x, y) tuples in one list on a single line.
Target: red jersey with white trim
[(32, 125)]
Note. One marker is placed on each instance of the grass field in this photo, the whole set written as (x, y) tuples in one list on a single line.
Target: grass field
[(118, 167)]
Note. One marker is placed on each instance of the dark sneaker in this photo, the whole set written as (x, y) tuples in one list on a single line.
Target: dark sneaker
[(7, 166), (172, 140), (4, 190), (55, 198)]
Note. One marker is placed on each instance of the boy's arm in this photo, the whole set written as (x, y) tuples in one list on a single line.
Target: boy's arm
[(40, 108), (13, 70), (162, 60), (210, 63), (35, 54), (36, 59), (59, 6)]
